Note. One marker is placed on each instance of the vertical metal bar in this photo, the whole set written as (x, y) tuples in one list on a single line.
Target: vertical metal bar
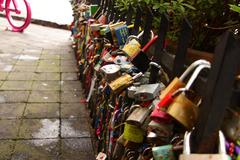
[(180, 58), (129, 15), (159, 47), (217, 94), (137, 21), (147, 27)]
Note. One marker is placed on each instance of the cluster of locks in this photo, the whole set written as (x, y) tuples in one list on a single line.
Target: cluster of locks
[(137, 112)]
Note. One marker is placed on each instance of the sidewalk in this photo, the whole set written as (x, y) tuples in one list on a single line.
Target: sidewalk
[(40, 114)]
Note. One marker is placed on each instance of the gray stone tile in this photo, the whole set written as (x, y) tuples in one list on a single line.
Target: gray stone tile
[(47, 62), (46, 76), (9, 129), (42, 149), (44, 96), (26, 63), (69, 76), (3, 75), (73, 110), (11, 110), (71, 86), (21, 76), (19, 68), (16, 85), (14, 96), (6, 149), (69, 68), (68, 62), (46, 85), (67, 56), (75, 128), (39, 128), (42, 110), (71, 96), (49, 56), (48, 69), (77, 149)]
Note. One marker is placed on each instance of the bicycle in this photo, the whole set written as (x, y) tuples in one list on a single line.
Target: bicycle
[(18, 14)]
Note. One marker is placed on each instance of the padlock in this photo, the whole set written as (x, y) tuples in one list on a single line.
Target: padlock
[(187, 155), (162, 130), (182, 109), (123, 82), (231, 125), (121, 33), (131, 91), (138, 116), (179, 82), (163, 152), (110, 72), (169, 93), (147, 92), (133, 133), (119, 148)]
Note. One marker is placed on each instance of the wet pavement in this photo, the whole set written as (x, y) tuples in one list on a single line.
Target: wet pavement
[(41, 117)]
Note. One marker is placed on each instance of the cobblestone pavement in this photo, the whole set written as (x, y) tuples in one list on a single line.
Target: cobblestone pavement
[(40, 114)]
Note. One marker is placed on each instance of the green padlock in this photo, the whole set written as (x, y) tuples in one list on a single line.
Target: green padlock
[(163, 152)]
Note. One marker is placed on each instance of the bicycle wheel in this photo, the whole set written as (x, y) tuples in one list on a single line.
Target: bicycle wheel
[(18, 20)]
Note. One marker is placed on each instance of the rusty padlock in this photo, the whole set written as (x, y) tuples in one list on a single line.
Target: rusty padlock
[(184, 109), (187, 155)]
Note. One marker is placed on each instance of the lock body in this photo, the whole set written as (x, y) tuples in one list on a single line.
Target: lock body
[(147, 92)]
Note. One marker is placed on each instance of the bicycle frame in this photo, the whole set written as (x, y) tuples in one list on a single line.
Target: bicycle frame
[(15, 4)]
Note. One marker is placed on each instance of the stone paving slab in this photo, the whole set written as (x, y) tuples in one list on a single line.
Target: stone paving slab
[(42, 110), (39, 128), (71, 86), (6, 149), (69, 76), (20, 76), (16, 85), (44, 96), (46, 76), (42, 149), (73, 110), (75, 127), (12, 110), (46, 85), (14, 96), (77, 149), (71, 96), (9, 129)]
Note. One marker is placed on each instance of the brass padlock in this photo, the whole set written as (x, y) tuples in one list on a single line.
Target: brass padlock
[(179, 82), (123, 82), (138, 116), (221, 155), (182, 109)]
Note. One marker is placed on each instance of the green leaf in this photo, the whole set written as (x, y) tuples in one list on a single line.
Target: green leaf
[(156, 6), (234, 8), (188, 6)]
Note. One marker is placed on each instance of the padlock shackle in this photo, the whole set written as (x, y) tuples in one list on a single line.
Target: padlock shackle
[(186, 143), (138, 37), (195, 75), (192, 67)]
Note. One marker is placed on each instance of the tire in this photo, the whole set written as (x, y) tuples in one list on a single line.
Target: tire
[(12, 21)]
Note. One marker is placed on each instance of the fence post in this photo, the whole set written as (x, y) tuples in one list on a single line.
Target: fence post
[(147, 27), (217, 94), (159, 46), (180, 58), (137, 21)]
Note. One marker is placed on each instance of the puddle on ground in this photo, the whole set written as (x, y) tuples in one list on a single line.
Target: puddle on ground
[(27, 58), (8, 68), (50, 129)]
